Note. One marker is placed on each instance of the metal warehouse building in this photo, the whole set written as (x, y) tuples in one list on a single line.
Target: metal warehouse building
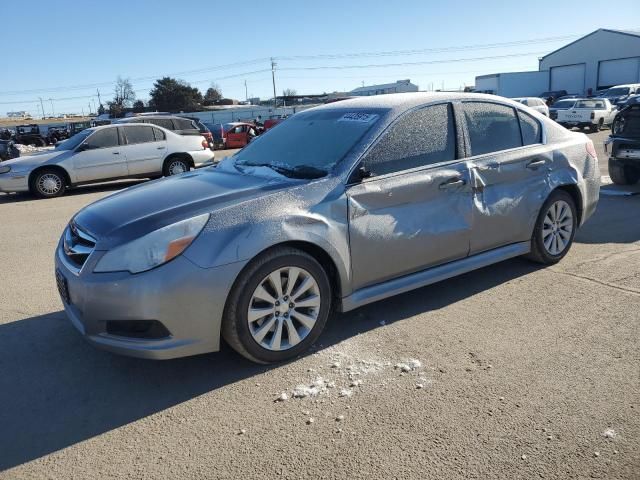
[(598, 60)]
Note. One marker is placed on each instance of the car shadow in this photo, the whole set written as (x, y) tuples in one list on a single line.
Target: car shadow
[(56, 390), (82, 190), (615, 221)]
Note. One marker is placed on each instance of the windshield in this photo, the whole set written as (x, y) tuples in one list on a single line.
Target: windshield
[(73, 142), (313, 141), (564, 104), (616, 92)]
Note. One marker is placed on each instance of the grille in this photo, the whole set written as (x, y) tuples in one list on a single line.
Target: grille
[(78, 245)]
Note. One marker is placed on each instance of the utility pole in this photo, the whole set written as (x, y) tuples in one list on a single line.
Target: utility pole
[(246, 95), (89, 108), (53, 113), (42, 106), (273, 78), (99, 101)]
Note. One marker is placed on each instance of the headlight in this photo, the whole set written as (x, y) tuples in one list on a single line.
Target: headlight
[(618, 126), (5, 169), (153, 249)]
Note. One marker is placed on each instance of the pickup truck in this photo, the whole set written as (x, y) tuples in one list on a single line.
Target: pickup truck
[(623, 146), (593, 113)]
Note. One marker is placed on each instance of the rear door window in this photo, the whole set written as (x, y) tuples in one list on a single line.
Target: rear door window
[(105, 138), (491, 127), (419, 138), (139, 134)]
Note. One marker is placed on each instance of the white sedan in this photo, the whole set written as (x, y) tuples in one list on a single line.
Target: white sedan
[(105, 153), (535, 103)]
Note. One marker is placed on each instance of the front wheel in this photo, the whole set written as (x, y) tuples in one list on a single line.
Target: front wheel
[(278, 306), (48, 183), (555, 229)]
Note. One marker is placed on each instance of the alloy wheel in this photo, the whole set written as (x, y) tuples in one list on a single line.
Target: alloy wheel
[(284, 308), (176, 168), (557, 227)]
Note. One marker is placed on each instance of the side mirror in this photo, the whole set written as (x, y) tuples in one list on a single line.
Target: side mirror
[(364, 172)]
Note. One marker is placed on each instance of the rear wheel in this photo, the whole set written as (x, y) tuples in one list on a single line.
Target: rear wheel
[(555, 229), (48, 183), (622, 174), (598, 126), (278, 306), (176, 166)]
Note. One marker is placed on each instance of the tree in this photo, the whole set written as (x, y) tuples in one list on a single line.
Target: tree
[(289, 92), (170, 94), (138, 106), (213, 95), (101, 110), (123, 96)]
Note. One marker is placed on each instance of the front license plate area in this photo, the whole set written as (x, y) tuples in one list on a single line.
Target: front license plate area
[(63, 287)]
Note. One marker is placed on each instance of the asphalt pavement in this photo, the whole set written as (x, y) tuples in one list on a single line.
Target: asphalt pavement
[(512, 371)]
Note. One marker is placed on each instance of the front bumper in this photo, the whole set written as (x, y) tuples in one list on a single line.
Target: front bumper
[(186, 299), (14, 182)]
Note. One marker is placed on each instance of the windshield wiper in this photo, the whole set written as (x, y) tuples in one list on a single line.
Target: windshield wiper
[(298, 171)]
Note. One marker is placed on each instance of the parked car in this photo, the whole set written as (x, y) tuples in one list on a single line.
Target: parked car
[(105, 153), (537, 104), (591, 113), (551, 96), (239, 134), (179, 125), (217, 134), (631, 100), (8, 150), (263, 247), (623, 146), (29, 135), (620, 93), (562, 104)]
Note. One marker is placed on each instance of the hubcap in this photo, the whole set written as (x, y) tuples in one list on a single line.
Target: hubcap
[(557, 227), (49, 184), (176, 168), (284, 308)]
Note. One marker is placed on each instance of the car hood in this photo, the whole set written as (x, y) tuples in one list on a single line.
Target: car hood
[(33, 160), (141, 209)]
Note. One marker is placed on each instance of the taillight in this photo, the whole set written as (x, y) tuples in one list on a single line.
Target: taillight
[(591, 150), (593, 115), (205, 144)]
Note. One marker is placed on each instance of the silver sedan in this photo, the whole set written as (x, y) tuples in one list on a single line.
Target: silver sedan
[(105, 153), (339, 206)]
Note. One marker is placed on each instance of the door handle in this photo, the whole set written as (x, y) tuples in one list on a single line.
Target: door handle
[(536, 164), (161, 148), (452, 183), (116, 153)]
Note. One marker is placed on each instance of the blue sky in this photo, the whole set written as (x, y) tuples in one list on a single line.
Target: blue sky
[(63, 52)]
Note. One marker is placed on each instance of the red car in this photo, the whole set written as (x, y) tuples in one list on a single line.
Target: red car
[(239, 134)]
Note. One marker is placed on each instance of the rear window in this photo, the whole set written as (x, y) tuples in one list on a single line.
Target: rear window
[(564, 104), (595, 104), (185, 124), (162, 122), (491, 127)]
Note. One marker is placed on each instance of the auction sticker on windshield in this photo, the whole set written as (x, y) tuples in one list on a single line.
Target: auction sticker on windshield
[(358, 117)]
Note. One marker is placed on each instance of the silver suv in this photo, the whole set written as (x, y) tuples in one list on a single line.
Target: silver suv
[(340, 206)]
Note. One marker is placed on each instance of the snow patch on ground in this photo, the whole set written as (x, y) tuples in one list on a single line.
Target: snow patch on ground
[(31, 149), (609, 433)]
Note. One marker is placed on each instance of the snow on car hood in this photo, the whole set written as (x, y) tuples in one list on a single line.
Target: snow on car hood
[(138, 210)]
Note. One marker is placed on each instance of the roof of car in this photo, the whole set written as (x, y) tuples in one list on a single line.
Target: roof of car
[(400, 102)]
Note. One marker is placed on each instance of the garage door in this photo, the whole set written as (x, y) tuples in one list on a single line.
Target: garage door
[(618, 72), (569, 78)]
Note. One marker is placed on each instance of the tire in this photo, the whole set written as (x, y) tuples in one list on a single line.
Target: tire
[(48, 183), (544, 248), (622, 174), (597, 127), (246, 337), (175, 166)]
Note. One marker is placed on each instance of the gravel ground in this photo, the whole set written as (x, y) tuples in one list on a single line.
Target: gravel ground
[(513, 371)]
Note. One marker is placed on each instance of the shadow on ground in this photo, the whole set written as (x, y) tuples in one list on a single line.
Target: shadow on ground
[(83, 190), (56, 390), (617, 220)]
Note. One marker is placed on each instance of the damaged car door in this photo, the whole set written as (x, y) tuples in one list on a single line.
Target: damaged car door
[(410, 207), (509, 168)]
